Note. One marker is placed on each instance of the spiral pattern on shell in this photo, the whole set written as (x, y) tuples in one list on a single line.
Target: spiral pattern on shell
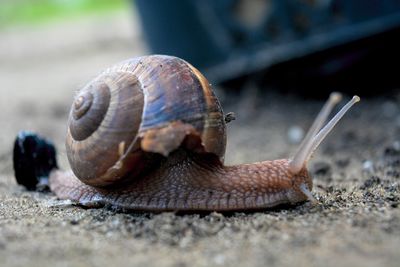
[(136, 109)]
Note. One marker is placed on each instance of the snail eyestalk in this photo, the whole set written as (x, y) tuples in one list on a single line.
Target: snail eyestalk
[(315, 135), (334, 98)]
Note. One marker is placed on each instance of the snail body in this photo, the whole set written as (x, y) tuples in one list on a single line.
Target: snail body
[(149, 134)]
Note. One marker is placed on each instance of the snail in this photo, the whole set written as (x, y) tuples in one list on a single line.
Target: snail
[(149, 134)]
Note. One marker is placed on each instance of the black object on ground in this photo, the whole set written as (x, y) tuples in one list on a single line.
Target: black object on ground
[(34, 158)]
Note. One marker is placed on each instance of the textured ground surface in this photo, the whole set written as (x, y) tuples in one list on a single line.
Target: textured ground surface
[(356, 172)]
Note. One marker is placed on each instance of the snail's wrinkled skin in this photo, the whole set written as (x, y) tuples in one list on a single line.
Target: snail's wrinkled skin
[(188, 183)]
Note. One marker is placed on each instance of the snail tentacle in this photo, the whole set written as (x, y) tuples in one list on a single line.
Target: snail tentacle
[(316, 135)]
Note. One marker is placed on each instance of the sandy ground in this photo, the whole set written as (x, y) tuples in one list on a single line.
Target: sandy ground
[(356, 172)]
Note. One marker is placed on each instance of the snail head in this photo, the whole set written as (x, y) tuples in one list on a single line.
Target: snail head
[(316, 134)]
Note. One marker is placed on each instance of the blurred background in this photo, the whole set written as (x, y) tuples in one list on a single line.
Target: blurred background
[(307, 46), (298, 45)]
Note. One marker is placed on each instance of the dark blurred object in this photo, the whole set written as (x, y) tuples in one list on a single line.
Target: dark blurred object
[(227, 39), (34, 158)]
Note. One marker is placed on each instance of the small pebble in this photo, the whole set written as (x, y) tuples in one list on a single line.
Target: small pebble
[(295, 134), (343, 163), (396, 145), (74, 222), (368, 166), (373, 180), (219, 259), (393, 150), (230, 116)]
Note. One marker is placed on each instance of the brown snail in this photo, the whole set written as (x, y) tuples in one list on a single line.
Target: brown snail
[(149, 134)]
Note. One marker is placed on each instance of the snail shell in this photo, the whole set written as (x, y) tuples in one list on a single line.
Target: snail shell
[(132, 112)]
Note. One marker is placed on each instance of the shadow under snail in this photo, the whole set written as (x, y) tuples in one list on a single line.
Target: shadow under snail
[(149, 134)]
